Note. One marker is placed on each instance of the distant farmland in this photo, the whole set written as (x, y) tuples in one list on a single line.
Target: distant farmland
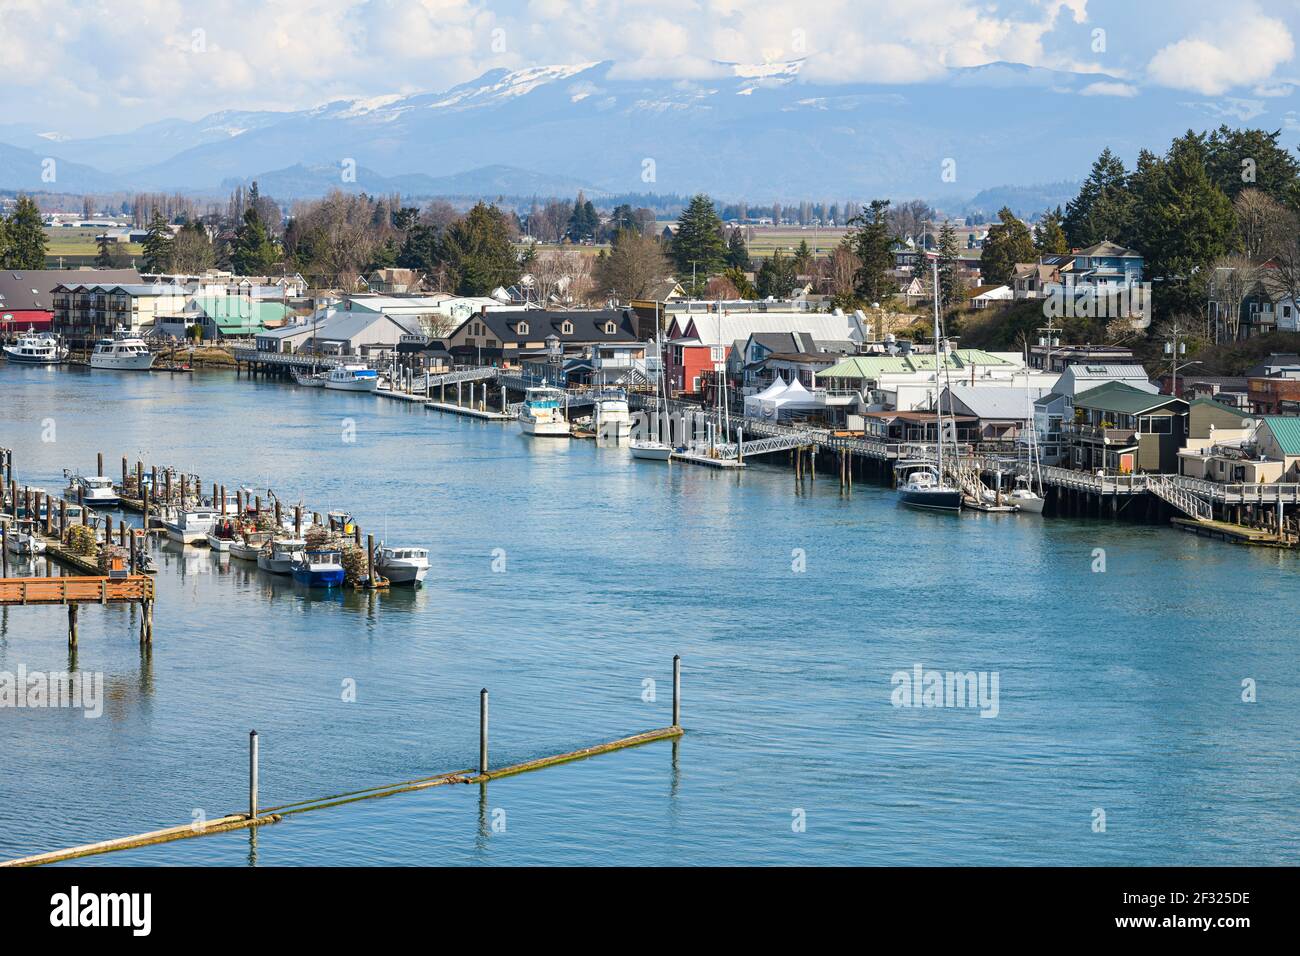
[(765, 240), (68, 248)]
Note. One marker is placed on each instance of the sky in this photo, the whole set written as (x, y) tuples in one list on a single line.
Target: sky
[(89, 67)]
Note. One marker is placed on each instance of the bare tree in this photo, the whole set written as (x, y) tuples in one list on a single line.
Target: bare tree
[(632, 267)]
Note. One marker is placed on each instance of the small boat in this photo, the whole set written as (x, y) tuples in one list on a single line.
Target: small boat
[(23, 543), (309, 379), (93, 490), (223, 534), (190, 526), (540, 413), (318, 567), (924, 489), (648, 450), (403, 565), (279, 554), (125, 351), (249, 545), (1024, 497), (352, 378), (33, 348)]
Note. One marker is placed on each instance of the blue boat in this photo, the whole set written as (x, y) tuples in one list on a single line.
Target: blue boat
[(319, 568)]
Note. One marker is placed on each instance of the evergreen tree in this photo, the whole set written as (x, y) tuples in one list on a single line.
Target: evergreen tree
[(23, 236), (1049, 235), (873, 244), (253, 251), (951, 290), (744, 288), (158, 244), (1239, 159), (738, 252), (584, 222), (698, 249), (106, 257), (1009, 242), (478, 253), (803, 257), (776, 277), (1102, 209)]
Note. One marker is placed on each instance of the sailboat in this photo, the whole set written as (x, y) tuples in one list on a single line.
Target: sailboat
[(925, 486), (1025, 496), (652, 449)]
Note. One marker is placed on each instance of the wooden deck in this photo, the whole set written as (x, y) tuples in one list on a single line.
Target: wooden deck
[(75, 589)]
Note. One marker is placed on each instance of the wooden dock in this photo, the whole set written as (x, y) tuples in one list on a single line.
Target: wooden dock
[(1233, 533), (73, 591), (485, 414)]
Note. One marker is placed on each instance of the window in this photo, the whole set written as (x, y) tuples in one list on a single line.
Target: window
[(566, 327), (1157, 425), (522, 328), (610, 328)]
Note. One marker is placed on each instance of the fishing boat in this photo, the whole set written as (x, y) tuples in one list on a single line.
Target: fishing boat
[(403, 565), (540, 413), (249, 545), (223, 534), (37, 348), (318, 567), (279, 554), (125, 351), (925, 486), (190, 525), (23, 543), (352, 378), (93, 489)]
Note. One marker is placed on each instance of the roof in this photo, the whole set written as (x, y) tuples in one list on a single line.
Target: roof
[(586, 325), (873, 366), (1122, 398), (232, 313), (993, 402), (715, 329), (1108, 249), (341, 325), (1286, 432), (1220, 406), (29, 290)]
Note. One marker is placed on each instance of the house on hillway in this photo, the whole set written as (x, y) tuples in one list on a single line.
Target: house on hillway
[(1120, 429), (512, 337)]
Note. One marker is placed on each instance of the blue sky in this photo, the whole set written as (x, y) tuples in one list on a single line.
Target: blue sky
[(93, 66)]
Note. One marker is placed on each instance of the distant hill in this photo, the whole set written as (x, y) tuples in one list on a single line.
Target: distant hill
[(24, 169), (1024, 201)]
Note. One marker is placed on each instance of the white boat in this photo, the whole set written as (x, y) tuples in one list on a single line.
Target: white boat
[(190, 526), (1024, 497), (224, 533), (92, 490), (280, 554), (540, 413), (309, 379), (124, 351), (37, 348), (403, 565), (612, 418), (250, 545), (23, 543), (352, 378), (648, 450), (651, 448)]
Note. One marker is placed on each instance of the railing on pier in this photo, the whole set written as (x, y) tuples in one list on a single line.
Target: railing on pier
[(73, 589), (305, 359), (1182, 499)]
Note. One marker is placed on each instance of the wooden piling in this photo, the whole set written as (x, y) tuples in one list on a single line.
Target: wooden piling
[(677, 690), (370, 562), (252, 775), (72, 624), (483, 731), (99, 464)]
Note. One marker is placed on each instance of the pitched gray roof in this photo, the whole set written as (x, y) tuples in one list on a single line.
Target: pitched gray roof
[(29, 290)]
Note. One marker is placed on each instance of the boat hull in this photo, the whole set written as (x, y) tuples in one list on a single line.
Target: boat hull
[(275, 565), (947, 499), (14, 355), (559, 429), (186, 535), (652, 452), (404, 573), (218, 544), (318, 578), (122, 363), (1033, 506), (357, 385), (244, 552)]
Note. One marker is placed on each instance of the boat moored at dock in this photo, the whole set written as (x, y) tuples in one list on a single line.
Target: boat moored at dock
[(92, 489), (403, 565), (541, 415), (125, 351), (37, 348), (278, 555), (352, 378), (190, 526), (318, 567)]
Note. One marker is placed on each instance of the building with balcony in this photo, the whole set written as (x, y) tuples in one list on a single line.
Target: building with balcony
[(86, 311), (27, 296), (1120, 429)]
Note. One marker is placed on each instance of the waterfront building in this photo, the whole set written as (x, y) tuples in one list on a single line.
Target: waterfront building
[(27, 296), (1002, 412), (908, 381), (1057, 358), (360, 331), (1219, 445), (607, 337), (754, 363), (1120, 429), (88, 310)]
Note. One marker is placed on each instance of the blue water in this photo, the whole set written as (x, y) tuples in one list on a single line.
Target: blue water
[(1119, 691)]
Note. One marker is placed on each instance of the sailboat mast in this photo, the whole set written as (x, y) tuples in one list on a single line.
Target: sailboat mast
[(938, 411)]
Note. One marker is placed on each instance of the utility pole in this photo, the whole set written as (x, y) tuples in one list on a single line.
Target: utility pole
[(1049, 335), (1176, 348)]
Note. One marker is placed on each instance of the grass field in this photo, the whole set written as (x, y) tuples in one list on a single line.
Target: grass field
[(72, 248), (764, 240)]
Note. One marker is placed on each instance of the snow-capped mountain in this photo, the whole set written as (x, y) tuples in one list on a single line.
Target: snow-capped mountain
[(758, 131)]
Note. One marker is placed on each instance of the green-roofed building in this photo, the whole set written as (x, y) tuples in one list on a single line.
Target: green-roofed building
[(1278, 437), (235, 316), (1120, 429)]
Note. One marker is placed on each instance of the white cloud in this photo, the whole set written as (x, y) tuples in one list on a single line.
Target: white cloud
[(1241, 50), (1109, 89)]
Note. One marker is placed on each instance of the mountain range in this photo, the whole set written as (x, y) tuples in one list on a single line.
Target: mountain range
[(757, 133)]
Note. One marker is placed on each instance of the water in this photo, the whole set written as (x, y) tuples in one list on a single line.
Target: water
[(1118, 690)]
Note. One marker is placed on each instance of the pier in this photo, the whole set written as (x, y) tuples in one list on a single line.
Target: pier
[(73, 591)]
